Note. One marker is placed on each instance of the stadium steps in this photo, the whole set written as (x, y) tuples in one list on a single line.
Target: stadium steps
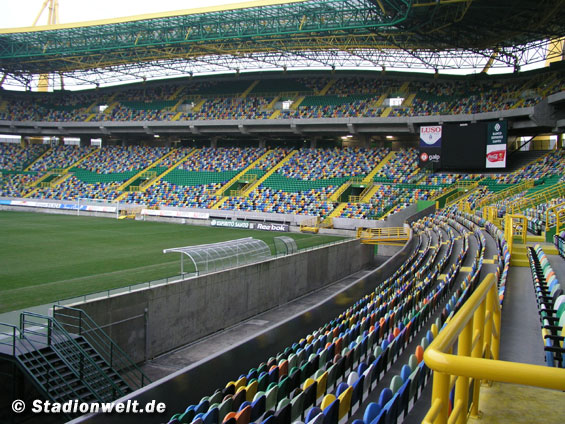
[(178, 103), (275, 114), (198, 105), (38, 182), (162, 174), (52, 183), (61, 366), (338, 210), (340, 190), (296, 104), (404, 87), (269, 173), (369, 194), (326, 88), (248, 90), (519, 251), (518, 104), (248, 168), (408, 100), (172, 168), (505, 193), (139, 174), (176, 93), (386, 112), (27, 168), (381, 99), (271, 105), (371, 175), (460, 199), (111, 107)]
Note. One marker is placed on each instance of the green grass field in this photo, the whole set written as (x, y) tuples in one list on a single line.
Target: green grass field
[(44, 258)]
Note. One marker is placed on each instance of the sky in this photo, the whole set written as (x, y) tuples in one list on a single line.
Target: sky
[(22, 13)]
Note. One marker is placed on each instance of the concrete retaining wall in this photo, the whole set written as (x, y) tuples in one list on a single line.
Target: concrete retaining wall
[(188, 385), (170, 316)]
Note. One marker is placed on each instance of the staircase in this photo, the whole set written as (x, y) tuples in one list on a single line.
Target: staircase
[(370, 193), (338, 210), (221, 191), (65, 365), (28, 168), (269, 173), (371, 175)]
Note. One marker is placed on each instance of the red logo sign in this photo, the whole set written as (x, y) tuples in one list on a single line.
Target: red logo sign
[(496, 156), (424, 157)]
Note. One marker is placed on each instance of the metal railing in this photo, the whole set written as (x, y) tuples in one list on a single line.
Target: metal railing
[(554, 217), (76, 321), (515, 226), (474, 331), (468, 186), (384, 235), (48, 332), (506, 193), (54, 385), (542, 196)]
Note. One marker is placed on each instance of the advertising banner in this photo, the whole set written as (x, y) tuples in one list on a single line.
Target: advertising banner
[(496, 144), (430, 146), (175, 214), (71, 206), (430, 136), (264, 226), (496, 156)]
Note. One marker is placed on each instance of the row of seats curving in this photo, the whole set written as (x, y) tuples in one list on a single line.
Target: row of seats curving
[(559, 241), (551, 306), (164, 193), (328, 374), (314, 164), (263, 199), (345, 96)]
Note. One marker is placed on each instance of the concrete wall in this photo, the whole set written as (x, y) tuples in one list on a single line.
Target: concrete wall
[(188, 385), (179, 313)]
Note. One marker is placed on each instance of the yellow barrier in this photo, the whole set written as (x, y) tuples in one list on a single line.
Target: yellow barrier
[(506, 193), (468, 186), (542, 196), (515, 226), (554, 216), (475, 332), (310, 225), (384, 235)]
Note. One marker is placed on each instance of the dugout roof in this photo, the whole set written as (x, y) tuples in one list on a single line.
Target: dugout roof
[(442, 34), (205, 258)]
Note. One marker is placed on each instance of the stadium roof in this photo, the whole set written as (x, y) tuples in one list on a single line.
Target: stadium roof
[(417, 34)]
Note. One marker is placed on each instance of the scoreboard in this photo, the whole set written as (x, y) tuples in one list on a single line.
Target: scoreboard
[(464, 146)]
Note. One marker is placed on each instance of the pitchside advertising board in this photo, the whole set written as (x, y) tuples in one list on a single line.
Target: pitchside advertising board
[(430, 146), (246, 225), (496, 145)]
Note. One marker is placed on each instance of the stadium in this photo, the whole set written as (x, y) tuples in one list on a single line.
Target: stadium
[(312, 211)]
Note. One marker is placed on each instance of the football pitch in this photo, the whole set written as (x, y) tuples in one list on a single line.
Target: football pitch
[(45, 258)]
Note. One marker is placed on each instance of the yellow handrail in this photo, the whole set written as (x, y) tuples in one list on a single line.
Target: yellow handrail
[(475, 332), (559, 212), (534, 199), (383, 235), (506, 193)]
